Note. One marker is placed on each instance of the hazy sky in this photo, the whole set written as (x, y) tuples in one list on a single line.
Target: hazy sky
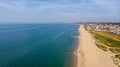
[(59, 10)]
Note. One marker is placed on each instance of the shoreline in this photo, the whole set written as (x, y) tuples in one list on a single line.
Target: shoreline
[(88, 54)]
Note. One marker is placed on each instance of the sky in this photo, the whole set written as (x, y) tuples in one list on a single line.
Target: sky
[(59, 11)]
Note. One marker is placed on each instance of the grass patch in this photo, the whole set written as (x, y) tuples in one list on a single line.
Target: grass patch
[(110, 40), (116, 51), (101, 47), (104, 39), (110, 35)]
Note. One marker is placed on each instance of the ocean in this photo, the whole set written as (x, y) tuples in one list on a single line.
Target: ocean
[(37, 45)]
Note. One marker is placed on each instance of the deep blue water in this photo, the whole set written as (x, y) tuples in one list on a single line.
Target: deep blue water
[(36, 45)]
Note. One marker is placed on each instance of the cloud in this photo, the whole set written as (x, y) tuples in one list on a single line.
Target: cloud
[(59, 10), (15, 5), (70, 7), (112, 6)]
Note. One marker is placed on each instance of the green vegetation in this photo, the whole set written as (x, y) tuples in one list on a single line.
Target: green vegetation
[(101, 46), (108, 39), (108, 42)]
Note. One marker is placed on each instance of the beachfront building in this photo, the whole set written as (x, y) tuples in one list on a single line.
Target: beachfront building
[(113, 28)]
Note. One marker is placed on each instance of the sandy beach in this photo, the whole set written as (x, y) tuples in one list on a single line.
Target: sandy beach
[(89, 55)]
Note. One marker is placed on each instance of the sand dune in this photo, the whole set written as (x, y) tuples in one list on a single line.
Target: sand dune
[(89, 55)]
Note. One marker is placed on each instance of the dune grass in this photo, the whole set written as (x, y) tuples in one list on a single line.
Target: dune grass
[(101, 47), (108, 42), (107, 39)]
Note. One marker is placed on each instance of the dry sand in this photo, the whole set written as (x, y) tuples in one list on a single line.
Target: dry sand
[(89, 55)]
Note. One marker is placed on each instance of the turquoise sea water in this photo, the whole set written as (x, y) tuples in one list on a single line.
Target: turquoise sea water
[(37, 45)]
